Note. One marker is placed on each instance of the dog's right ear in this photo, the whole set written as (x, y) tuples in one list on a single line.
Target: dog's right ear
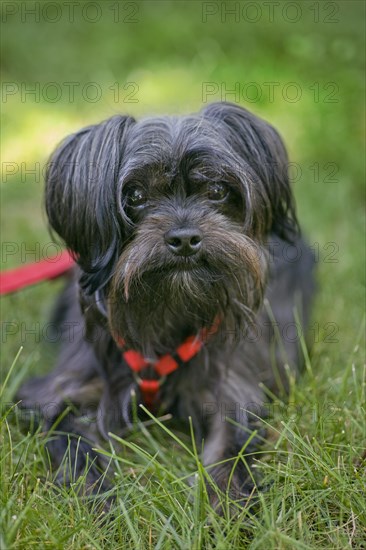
[(81, 202), (260, 145)]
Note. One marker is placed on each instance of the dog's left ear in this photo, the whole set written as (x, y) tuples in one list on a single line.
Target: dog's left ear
[(260, 146)]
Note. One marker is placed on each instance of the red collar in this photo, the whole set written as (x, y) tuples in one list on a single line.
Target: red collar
[(165, 365)]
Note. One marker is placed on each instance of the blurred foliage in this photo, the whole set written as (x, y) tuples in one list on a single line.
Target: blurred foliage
[(169, 49)]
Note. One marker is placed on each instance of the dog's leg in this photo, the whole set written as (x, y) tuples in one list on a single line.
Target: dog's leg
[(232, 423), (65, 402)]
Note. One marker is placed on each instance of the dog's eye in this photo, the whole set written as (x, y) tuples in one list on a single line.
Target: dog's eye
[(217, 192), (136, 198)]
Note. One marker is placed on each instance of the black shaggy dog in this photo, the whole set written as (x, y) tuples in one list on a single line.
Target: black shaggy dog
[(182, 229)]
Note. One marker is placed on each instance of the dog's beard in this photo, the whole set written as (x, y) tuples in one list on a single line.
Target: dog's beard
[(157, 299)]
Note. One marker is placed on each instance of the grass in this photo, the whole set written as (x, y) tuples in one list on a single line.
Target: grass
[(314, 471), (313, 464)]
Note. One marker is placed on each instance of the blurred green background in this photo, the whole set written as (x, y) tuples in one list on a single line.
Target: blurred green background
[(300, 65)]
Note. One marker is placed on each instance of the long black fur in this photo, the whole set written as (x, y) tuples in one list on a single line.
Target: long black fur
[(129, 284)]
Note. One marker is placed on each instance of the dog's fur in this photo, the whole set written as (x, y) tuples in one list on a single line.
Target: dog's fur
[(115, 192)]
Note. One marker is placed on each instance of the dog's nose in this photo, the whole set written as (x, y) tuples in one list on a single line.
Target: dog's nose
[(184, 241)]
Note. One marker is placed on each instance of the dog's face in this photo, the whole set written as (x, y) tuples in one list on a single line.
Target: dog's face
[(168, 217)]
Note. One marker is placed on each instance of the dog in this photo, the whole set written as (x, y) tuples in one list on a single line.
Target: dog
[(184, 287)]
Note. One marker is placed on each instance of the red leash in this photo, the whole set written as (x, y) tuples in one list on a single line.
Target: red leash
[(12, 280)]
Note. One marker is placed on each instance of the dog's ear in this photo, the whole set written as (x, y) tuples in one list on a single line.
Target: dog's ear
[(258, 144), (81, 202)]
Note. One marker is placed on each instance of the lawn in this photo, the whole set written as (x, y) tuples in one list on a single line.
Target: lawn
[(299, 65)]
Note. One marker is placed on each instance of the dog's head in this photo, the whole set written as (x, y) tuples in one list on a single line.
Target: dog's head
[(168, 216)]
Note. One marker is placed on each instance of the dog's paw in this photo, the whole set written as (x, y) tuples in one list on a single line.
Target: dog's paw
[(227, 494)]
